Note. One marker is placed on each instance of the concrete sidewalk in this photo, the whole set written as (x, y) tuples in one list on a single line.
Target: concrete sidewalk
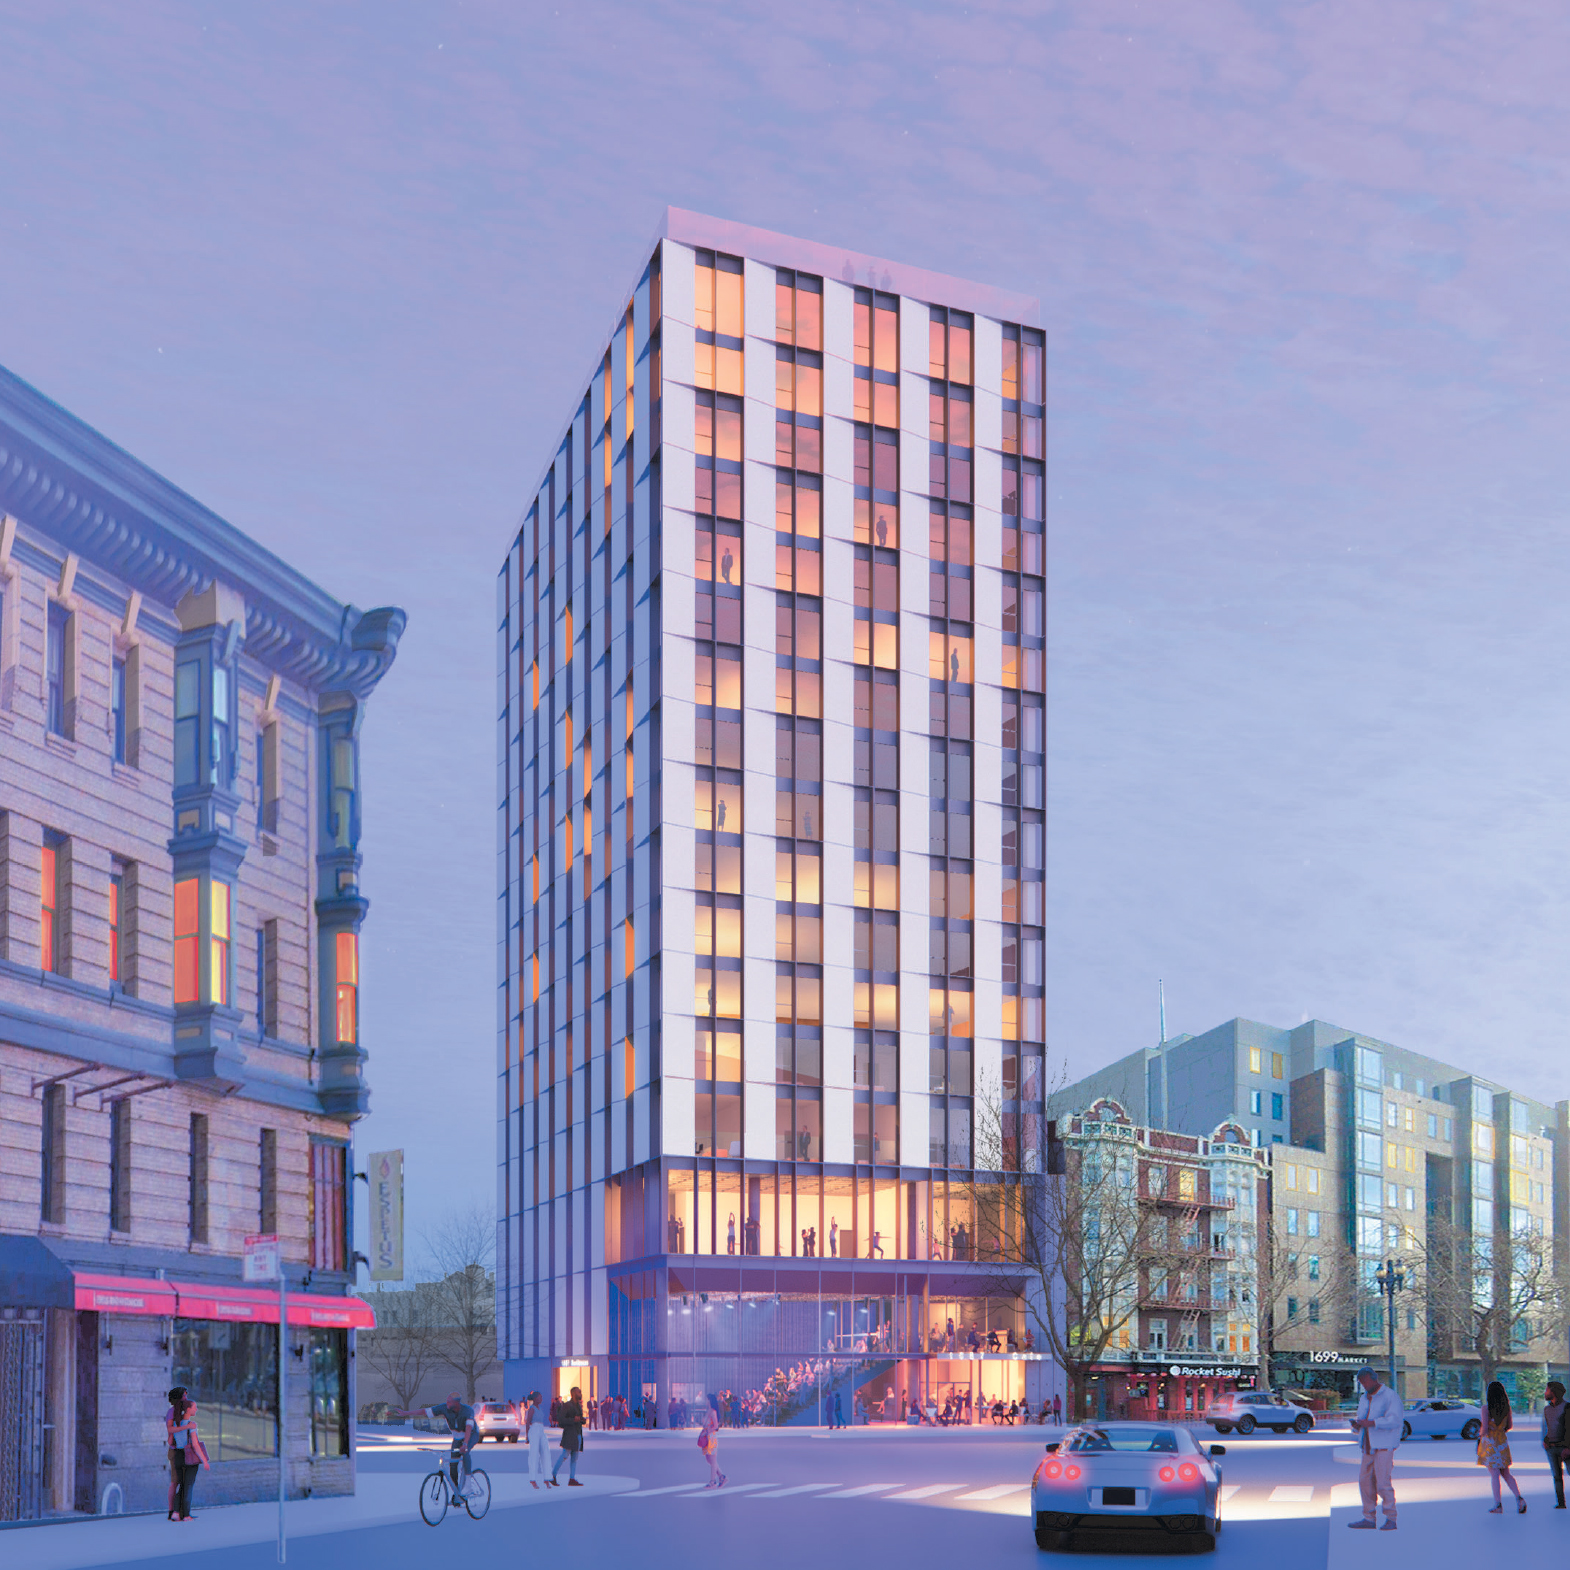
[(1445, 1521), (383, 1498)]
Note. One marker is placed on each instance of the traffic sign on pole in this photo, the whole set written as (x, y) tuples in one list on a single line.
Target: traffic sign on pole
[(263, 1261)]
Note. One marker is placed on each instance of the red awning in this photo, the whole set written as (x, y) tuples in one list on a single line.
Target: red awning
[(124, 1295), (194, 1300)]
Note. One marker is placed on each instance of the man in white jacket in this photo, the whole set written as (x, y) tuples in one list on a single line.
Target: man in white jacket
[(1378, 1423)]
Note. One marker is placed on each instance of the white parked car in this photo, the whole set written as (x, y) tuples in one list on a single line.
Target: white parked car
[(1441, 1416), (496, 1420)]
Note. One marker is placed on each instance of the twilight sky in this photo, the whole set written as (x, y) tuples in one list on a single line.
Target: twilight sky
[(338, 271)]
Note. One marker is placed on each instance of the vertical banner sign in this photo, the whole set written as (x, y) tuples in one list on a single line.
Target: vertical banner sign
[(386, 1173), (263, 1261)]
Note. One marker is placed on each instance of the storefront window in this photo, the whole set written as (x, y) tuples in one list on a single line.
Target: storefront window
[(231, 1373), (329, 1393)]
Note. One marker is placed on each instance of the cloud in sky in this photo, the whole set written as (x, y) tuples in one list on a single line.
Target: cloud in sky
[(340, 271)]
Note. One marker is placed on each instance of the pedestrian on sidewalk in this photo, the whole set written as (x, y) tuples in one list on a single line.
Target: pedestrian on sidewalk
[(1378, 1423), (709, 1445), (839, 1412), (176, 1457), (1057, 1408), (193, 1454), (1555, 1437), (571, 1439), (1493, 1446), (534, 1433)]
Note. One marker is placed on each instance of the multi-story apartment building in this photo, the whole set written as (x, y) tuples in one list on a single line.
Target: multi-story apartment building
[(1184, 1213), (771, 834), (1377, 1153), (180, 1054)]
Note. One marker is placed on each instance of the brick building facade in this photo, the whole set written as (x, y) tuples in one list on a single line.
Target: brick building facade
[(180, 1055)]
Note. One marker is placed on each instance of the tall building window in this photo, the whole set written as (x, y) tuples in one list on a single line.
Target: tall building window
[(219, 980), (57, 639), (187, 721), (197, 1199), (116, 889), (328, 1199), (117, 707), (267, 979), (52, 1153), (343, 783), (267, 791), (220, 763), (120, 1165), (49, 933), (346, 956), (187, 940), (268, 1181)]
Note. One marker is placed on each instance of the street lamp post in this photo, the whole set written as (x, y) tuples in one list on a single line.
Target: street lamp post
[(1391, 1278)]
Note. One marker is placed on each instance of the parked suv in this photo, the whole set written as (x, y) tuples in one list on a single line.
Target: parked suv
[(496, 1420), (1246, 1410)]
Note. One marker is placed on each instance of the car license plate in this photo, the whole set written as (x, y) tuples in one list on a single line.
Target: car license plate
[(1117, 1496)]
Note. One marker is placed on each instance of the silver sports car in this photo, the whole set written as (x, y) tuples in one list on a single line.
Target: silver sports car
[(1126, 1477)]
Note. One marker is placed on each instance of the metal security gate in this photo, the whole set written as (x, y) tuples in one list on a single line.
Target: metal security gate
[(21, 1414)]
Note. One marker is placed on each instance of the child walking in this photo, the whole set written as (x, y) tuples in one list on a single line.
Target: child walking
[(1493, 1447), (709, 1444)]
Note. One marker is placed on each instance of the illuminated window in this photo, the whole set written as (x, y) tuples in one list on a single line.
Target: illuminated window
[(1276, 1065), (187, 965), (347, 962), (115, 886), (48, 898), (219, 981), (1255, 1060)]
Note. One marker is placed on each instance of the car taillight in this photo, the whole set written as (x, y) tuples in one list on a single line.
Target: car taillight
[(1071, 1472), (1167, 1474), (1189, 1472), (1054, 1469)]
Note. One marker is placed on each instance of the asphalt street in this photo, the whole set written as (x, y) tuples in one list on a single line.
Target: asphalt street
[(848, 1498)]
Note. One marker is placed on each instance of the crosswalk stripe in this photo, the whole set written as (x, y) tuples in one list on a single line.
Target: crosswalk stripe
[(799, 1488), (927, 1492), (1292, 1494), (704, 1491), (649, 1493), (998, 1491), (865, 1488), (1228, 1489)]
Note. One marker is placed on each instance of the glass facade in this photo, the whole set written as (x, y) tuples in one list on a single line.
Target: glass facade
[(752, 1065)]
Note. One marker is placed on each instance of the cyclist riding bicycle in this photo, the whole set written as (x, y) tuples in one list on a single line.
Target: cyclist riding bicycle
[(460, 1423)]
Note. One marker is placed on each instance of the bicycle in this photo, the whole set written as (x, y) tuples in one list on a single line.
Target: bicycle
[(437, 1492)]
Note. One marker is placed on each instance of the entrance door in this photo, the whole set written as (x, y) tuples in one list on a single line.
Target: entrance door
[(22, 1458)]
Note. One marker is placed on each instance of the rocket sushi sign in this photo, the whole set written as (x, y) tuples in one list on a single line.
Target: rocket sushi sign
[(386, 1175)]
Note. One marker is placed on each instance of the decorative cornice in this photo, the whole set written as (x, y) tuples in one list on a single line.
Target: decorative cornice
[(62, 478)]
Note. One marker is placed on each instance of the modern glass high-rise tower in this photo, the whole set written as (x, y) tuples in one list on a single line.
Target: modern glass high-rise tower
[(771, 840)]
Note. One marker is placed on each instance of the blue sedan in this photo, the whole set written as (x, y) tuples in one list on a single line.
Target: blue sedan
[(1127, 1477)]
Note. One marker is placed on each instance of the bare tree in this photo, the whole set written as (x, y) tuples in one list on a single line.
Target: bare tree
[(1077, 1241), (402, 1349), (1492, 1296), (1298, 1306), (459, 1258)]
